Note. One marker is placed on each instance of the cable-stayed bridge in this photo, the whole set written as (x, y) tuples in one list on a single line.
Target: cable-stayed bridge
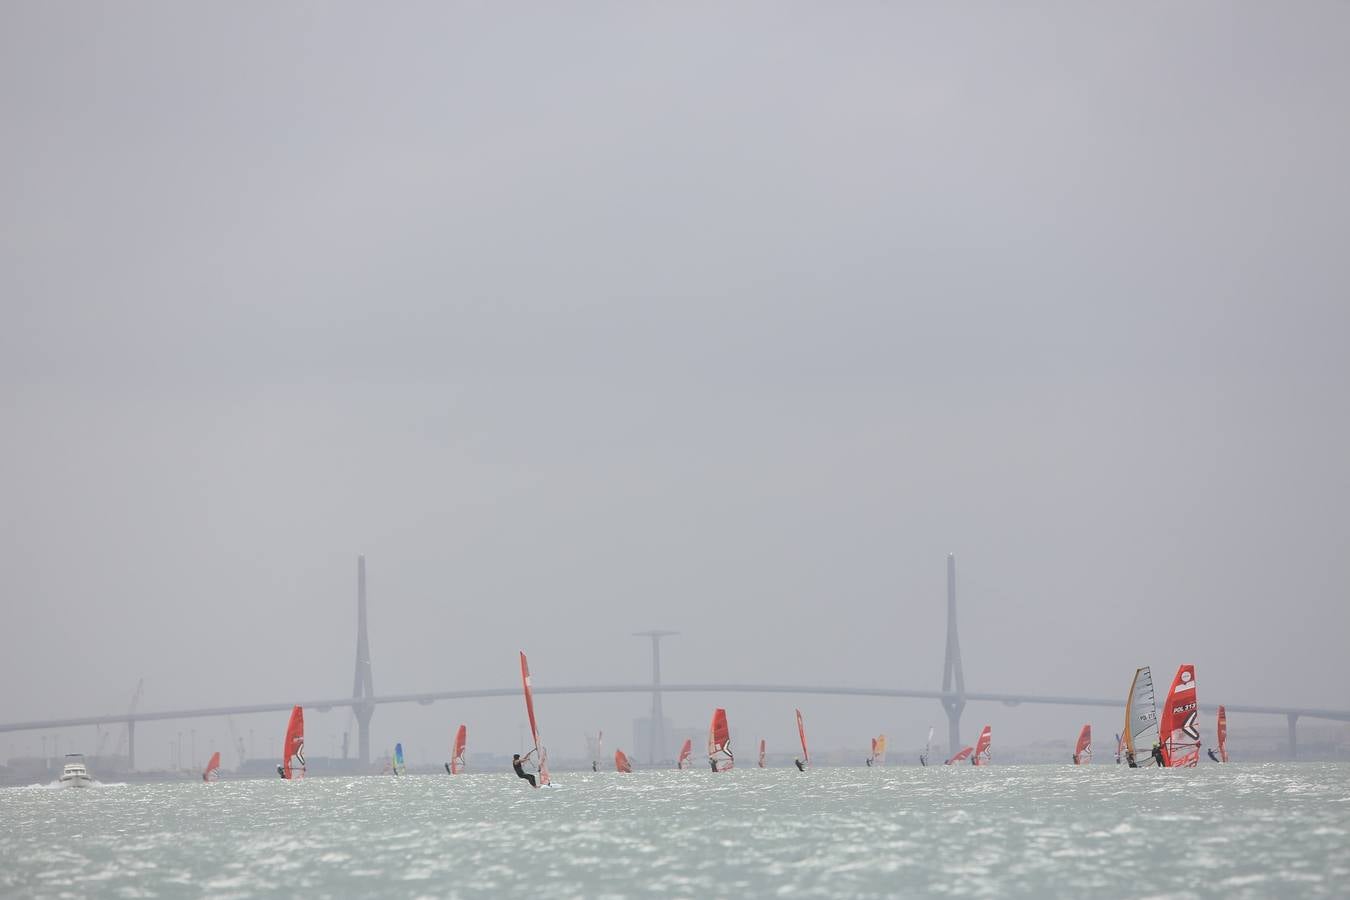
[(953, 695)]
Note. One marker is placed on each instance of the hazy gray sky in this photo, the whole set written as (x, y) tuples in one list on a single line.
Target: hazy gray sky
[(580, 319)]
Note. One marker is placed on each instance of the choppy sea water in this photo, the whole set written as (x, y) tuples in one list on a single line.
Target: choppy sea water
[(1006, 831)]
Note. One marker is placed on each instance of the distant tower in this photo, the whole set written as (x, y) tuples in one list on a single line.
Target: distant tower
[(951, 667), (363, 686), (658, 723)]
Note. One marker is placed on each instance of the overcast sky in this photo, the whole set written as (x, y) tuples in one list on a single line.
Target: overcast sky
[(581, 319)]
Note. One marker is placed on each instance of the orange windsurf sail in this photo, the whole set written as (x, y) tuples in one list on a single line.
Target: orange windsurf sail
[(212, 770), (293, 752), (621, 763), (719, 742), (1179, 724), (1082, 751), (457, 763), (540, 752), (982, 753), (686, 752)]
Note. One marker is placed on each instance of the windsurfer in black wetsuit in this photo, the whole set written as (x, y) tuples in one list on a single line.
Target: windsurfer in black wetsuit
[(1158, 755), (1212, 755), (447, 769), (869, 762), (518, 762), (595, 766), (712, 762), (801, 767), (281, 771)]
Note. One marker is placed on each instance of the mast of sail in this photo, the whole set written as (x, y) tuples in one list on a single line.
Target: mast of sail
[(1180, 725), (982, 753), (686, 752), (212, 770), (621, 763), (1082, 753), (719, 742), (294, 746), (1141, 719), (1223, 734), (801, 733), (540, 752)]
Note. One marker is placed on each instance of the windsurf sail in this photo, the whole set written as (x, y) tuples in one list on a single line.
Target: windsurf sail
[(879, 750), (761, 752), (1223, 734), (801, 732), (719, 742), (1120, 747), (1141, 720), (294, 746), (457, 763), (1180, 726), (212, 770), (982, 753), (962, 755), (400, 768), (686, 753), (599, 750), (1082, 753), (621, 763), (927, 748), (540, 752)]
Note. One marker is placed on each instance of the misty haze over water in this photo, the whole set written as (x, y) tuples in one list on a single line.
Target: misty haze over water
[(734, 321)]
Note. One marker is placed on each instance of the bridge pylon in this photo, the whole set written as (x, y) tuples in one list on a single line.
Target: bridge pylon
[(953, 677), (363, 685), (656, 729)]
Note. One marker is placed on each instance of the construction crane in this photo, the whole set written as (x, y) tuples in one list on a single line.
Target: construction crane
[(238, 741), (135, 702)]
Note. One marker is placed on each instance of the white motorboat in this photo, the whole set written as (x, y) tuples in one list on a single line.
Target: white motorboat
[(75, 774)]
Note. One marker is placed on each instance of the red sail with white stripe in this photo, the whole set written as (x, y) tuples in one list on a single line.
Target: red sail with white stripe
[(212, 770), (1223, 734), (1082, 753), (961, 756), (982, 753), (294, 746), (539, 752), (719, 742), (1179, 724), (457, 756)]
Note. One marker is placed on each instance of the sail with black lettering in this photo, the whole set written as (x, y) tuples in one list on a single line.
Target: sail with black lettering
[(539, 755), (719, 743), (1082, 752), (1180, 725), (293, 748), (1141, 720), (982, 755)]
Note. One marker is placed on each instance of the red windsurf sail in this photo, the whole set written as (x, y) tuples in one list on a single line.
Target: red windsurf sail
[(212, 770), (621, 763), (1223, 734), (871, 757), (801, 732), (540, 753), (457, 763), (294, 747), (761, 753), (1180, 722), (961, 756), (686, 753), (1082, 753), (719, 742), (982, 754)]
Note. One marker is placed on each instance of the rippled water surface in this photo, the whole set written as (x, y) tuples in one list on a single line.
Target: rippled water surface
[(1005, 831)]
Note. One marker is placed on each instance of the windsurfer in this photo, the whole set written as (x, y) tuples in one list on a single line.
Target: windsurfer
[(518, 762), (1129, 758), (1158, 755), (281, 771), (1212, 755), (447, 769), (869, 762), (923, 760), (1075, 759), (801, 767), (595, 766)]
